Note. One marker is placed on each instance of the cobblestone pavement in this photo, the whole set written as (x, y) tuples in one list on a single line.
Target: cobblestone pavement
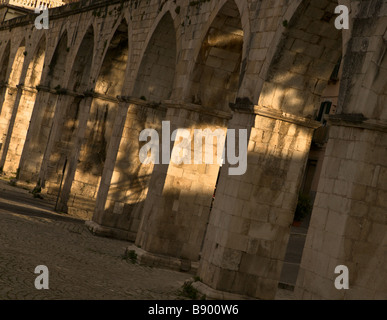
[(81, 266)]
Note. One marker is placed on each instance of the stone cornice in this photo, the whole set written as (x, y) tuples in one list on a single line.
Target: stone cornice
[(101, 96), (60, 12), (59, 91), (140, 102), (26, 88), (198, 108), (287, 117), (357, 121)]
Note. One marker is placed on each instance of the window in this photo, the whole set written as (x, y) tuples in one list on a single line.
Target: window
[(325, 108)]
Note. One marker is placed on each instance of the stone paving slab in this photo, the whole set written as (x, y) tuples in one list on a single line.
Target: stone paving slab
[(81, 266)]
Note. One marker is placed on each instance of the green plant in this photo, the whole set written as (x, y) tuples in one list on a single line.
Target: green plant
[(304, 207), (189, 291), (130, 255)]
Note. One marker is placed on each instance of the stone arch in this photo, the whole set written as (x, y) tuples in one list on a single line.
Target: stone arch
[(249, 229), (304, 60), (69, 113), (35, 67), (379, 87), (17, 66), (7, 114), (22, 110), (57, 66), (116, 56), (215, 79), (157, 69), (47, 100), (3, 72), (79, 76), (121, 23), (84, 175), (356, 157), (364, 76), (4, 63)]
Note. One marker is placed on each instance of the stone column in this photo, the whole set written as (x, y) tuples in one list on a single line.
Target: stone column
[(177, 206), (125, 179), (62, 104), (18, 128), (72, 161), (349, 220), (38, 134), (96, 124), (7, 119), (250, 222)]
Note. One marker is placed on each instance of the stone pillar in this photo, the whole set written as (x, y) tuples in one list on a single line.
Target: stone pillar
[(349, 220), (177, 206), (38, 134), (250, 221), (83, 177), (48, 182), (18, 128), (72, 161), (125, 179), (7, 119)]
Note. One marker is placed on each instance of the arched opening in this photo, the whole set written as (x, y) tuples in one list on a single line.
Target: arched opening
[(64, 140), (157, 71), (177, 207), (304, 80), (250, 220), (83, 177), (35, 67), (44, 109), (127, 189), (4, 63), (215, 79), (348, 220), (303, 64), (57, 67), (8, 113), (373, 90), (3, 72), (22, 112)]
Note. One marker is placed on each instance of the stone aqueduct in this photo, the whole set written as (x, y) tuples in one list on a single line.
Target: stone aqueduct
[(75, 97)]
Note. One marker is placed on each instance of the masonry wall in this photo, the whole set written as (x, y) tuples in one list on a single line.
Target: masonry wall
[(348, 225), (243, 64)]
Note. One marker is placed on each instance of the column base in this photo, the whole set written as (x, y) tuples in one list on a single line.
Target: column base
[(212, 294), (110, 232), (161, 261)]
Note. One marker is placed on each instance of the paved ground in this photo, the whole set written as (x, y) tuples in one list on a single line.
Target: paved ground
[(81, 266)]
